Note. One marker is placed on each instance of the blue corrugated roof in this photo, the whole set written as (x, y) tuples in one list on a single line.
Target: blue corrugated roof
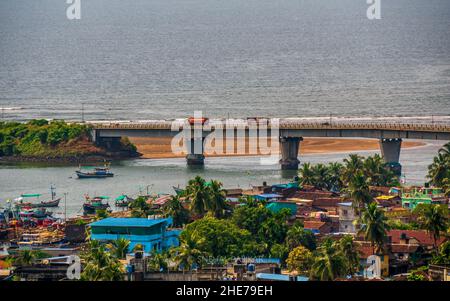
[(269, 195), (278, 277), (128, 222)]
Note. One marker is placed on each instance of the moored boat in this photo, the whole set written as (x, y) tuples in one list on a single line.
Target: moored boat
[(123, 201), (94, 204), (97, 172)]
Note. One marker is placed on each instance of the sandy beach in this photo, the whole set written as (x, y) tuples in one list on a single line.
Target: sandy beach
[(154, 148)]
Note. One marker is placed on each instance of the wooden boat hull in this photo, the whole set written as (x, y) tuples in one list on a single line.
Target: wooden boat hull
[(90, 209), (48, 204), (82, 175)]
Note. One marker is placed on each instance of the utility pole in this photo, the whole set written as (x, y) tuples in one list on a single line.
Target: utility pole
[(65, 206)]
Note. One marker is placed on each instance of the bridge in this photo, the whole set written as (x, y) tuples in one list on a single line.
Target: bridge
[(288, 131)]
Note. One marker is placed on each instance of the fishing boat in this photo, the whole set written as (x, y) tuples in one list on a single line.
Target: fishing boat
[(94, 204), (96, 173), (123, 201), (54, 202)]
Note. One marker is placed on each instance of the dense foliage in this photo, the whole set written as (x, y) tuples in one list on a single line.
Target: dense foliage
[(36, 137)]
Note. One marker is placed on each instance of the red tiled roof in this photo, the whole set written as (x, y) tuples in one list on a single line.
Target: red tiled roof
[(313, 224), (402, 248), (422, 236), (327, 202)]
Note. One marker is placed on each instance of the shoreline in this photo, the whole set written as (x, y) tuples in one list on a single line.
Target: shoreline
[(160, 148)]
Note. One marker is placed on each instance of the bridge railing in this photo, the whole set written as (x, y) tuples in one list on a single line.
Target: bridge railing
[(297, 125)]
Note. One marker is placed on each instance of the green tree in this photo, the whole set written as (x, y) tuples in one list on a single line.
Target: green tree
[(443, 256), (189, 253), (329, 263), (306, 174), (198, 194), (140, 208), (348, 249), (158, 262), (100, 265), (358, 191), (119, 247), (434, 219), (439, 169), (217, 204), (352, 165), (175, 209), (219, 238), (374, 226), (298, 236), (300, 260)]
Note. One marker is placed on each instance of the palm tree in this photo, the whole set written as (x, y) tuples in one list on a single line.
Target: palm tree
[(100, 265), (329, 263), (175, 209), (197, 193), (373, 169), (374, 226), (349, 250), (119, 247), (217, 204), (158, 261), (298, 236), (25, 258), (445, 150), (446, 187), (434, 219), (358, 191), (439, 169), (320, 172), (334, 176), (187, 254), (352, 165), (306, 174)]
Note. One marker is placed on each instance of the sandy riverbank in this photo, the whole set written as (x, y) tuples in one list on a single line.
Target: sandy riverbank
[(160, 147)]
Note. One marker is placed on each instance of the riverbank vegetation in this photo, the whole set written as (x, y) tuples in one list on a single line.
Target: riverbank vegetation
[(42, 140)]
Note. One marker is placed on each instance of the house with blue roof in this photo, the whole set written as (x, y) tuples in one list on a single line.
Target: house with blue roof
[(152, 234)]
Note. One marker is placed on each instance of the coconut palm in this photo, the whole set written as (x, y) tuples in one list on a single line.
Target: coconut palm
[(334, 176), (374, 226), (306, 174), (175, 209), (100, 265), (358, 191), (434, 219), (158, 261), (439, 169), (352, 165), (217, 195), (349, 250), (198, 194), (320, 172), (187, 254), (445, 150), (119, 247), (329, 263)]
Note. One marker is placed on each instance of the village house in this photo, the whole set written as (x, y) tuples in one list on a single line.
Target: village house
[(347, 217), (152, 234)]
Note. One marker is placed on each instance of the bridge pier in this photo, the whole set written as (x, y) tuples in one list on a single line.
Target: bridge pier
[(390, 150), (195, 148), (289, 152)]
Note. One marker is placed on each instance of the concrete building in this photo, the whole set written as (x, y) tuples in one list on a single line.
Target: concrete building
[(346, 217), (152, 234)]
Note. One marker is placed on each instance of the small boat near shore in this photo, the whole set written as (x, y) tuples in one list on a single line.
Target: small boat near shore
[(96, 173), (92, 205), (54, 202), (123, 201)]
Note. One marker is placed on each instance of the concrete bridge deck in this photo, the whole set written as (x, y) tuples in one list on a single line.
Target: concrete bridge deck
[(389, 130)]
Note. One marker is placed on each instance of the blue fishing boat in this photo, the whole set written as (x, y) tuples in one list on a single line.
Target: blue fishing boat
[(97, 172)]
